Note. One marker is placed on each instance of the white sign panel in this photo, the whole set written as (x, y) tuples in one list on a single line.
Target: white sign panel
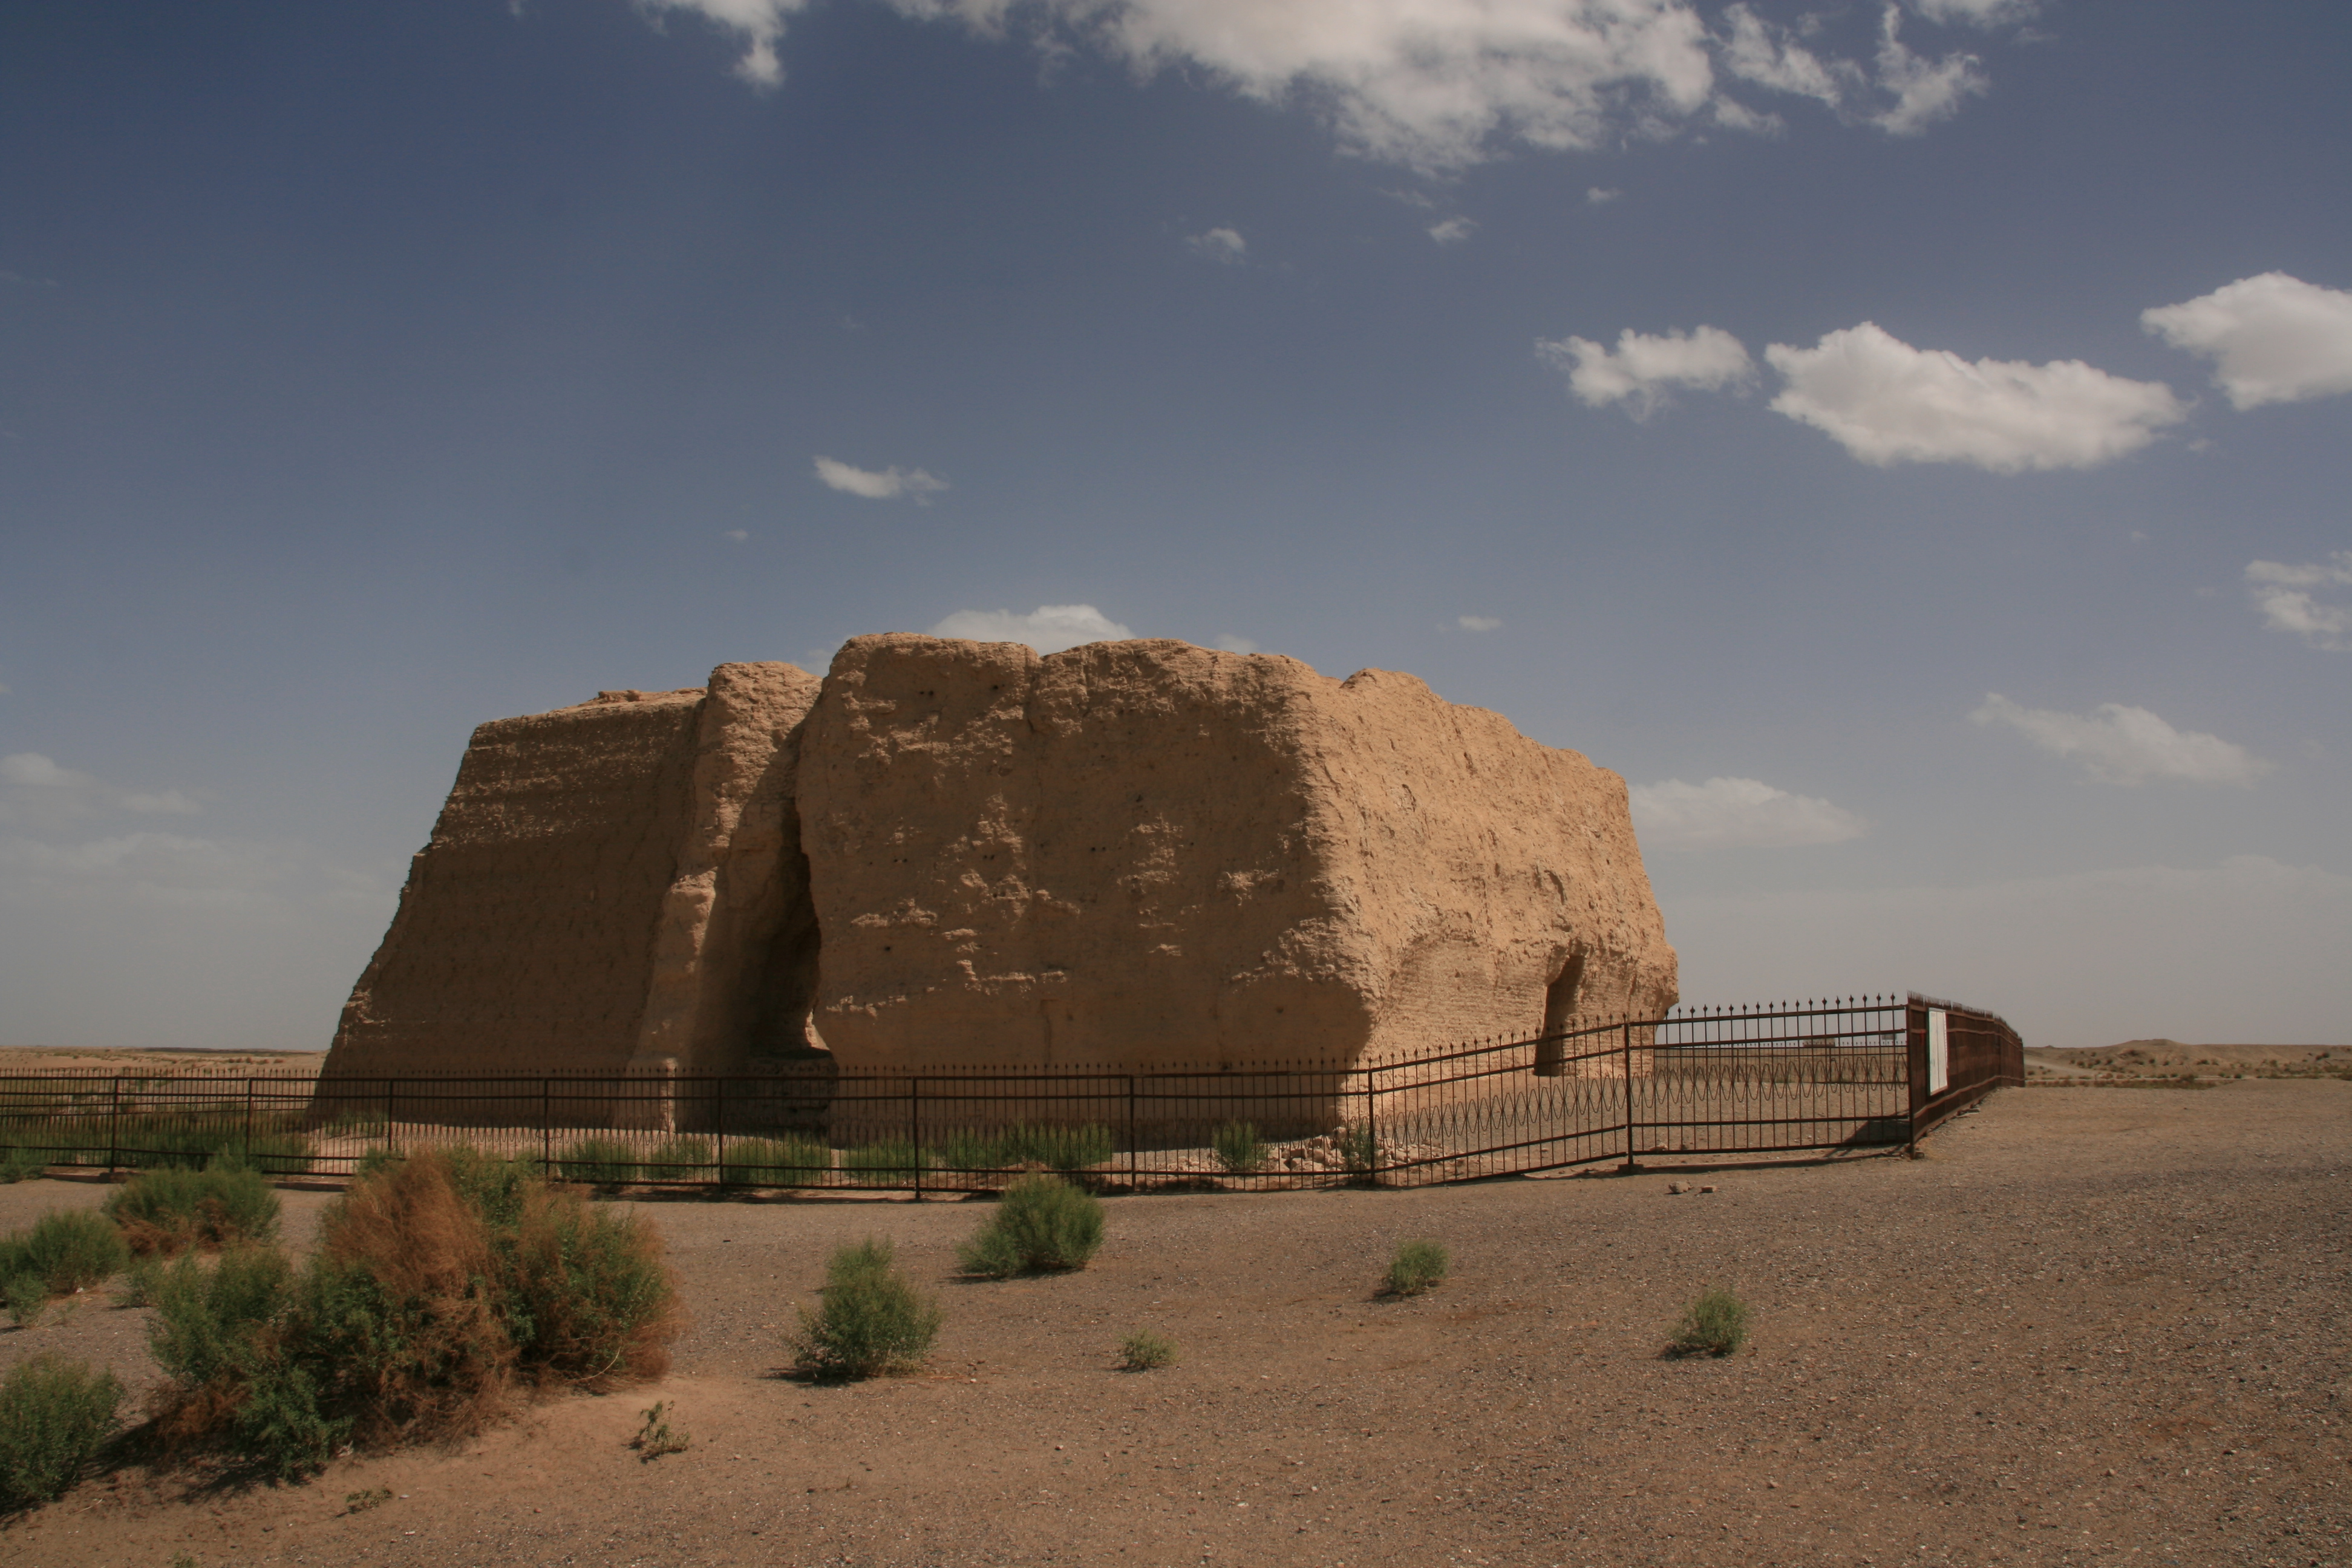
[(1939, 1052)]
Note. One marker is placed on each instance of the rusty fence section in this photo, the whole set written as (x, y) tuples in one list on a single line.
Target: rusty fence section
[(1693, 1085)]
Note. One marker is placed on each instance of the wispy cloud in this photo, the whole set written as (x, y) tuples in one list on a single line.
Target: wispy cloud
[(2286, 594), (1600, 195), (1901, 91), (1048, 628), (1734, 814), (35, 788), (1886, 401), (883, 484), (1219, 245), (2123, 745), (1924, 91), (739, 535), (1643, 371), (1452, 231), (760, 23), (2271, 338), (1975, 13), (1239, 645), (1479, 622)]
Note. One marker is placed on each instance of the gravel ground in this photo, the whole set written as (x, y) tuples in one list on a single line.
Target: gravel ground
[(2096, 1326)]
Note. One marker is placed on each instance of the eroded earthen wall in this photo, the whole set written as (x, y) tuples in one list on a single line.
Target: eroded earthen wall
[(1151, 853)]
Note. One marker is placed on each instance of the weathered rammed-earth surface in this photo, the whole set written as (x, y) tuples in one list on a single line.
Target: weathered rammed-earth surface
[(1154, 854), (955, 853)]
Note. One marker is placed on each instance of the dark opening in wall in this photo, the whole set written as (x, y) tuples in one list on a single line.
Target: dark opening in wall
[(1560, 1009)]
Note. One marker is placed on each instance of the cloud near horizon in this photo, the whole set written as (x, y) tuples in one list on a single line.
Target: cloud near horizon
[(2284, 595), (1736, 814), (2271, 338), (885, 484), (2123, 745), (1048, 628), (1886, 401)]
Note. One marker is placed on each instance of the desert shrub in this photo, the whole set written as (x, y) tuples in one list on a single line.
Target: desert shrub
[(1360, 1150), (657, 1436), (604, 1162), (21, 1164), (1418, 1266), (1055, 1146), (165, 1212), (871, 1321), (966, 1149), (1238, 1146), (139, 1283), (886, 1164), (1143, 1350), (376, 1158), (66, 1250), (1042, 1223), (1715, 1324), (54, 1415), (678, 1160), (438, 1282), (775, 1161), (27, 1296)]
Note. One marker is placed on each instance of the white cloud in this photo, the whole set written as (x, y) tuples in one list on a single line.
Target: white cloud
[(1600, 195), (1452, 231), (1924, 91), (2273, 338), (1479, 622), (759, 23), (1975, 13), (1049, 628), (2123, 745), (887, 484), (739, 535), (1644, 369), (2250, 949), (1239, 645), (2284, 594), (1729, 813), (1225, 244), (1886, 401), (1771, 56), (1432, 84)]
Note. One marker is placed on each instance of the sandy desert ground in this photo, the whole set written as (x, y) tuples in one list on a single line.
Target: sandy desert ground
[(2091, 1327)]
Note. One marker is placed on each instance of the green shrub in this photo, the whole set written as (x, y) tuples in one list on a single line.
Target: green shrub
[(28, 1297), (1042, 1223), (1239, 1148), (775, 1161), (1417, 1266), (1143, 1350), (54, 1415), (886, 1164), (679, 1160), (139, 1283), (438, 1282), (603, 1161), (1055, 1146), (165, 1211), (872, 1321), (21, 1164), (1715, 1324), (1360, 1150), (66, 1250), (657, 1436), (965, 1149)]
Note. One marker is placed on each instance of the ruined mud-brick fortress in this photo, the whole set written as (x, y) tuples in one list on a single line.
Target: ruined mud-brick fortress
[(946, 853)]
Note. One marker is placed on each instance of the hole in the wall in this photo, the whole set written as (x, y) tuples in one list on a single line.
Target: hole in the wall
[(1559, 1009)]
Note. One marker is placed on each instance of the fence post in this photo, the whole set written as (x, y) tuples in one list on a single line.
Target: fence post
[(546, 1130), (391, 1144), (1131, 1133), (1626, 1066), (1915, 1066), (718, 1113), (1371, 1124), (915, 1129), (114, 1125), (249, 1122)]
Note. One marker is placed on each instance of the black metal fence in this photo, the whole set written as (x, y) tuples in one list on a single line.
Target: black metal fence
[(1693, 1085)]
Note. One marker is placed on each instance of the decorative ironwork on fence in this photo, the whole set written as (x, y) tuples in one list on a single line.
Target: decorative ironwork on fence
[(1851, 1074)]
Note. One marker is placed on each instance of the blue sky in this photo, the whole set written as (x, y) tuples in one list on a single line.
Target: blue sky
[(1908, 442)]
